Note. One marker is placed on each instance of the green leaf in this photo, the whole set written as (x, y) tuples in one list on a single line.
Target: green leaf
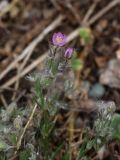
[(54, 67), (66, 156), (25, 155), (39, 93), (116, 126), (85, 34), (13, 138), (3, 145), (90, 144), (76, 63), (56, 152), (46, 82), (46, 129), (3, 156), (82, 151), (52, 104)]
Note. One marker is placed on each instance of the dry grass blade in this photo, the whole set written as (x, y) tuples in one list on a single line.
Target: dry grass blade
[(26, 126), (8, 8), (103, 11), (19, 70), (89, 13), (25, 71)]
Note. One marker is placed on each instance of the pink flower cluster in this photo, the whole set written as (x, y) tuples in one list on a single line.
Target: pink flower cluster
[(59, 40)]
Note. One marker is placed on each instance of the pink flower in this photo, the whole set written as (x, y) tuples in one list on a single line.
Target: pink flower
[(68, 53), (59, 39)]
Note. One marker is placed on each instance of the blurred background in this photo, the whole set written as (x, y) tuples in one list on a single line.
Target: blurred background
[(26, 29)]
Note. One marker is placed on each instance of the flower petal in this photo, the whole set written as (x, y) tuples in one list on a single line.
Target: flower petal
[(54, 39), (63, 41), (60, 34)]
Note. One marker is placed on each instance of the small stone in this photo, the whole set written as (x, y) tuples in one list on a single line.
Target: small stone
[(79, 123), (110, 76), (97, 91)]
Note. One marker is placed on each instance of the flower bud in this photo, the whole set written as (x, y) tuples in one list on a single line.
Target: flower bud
[(68, 53)]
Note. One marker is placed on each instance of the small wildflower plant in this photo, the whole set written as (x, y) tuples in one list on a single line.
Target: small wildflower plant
[(51, 85), (57, 64)]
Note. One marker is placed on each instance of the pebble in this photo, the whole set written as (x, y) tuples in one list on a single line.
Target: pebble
[(79, 123), (110, 76), (96, 91)]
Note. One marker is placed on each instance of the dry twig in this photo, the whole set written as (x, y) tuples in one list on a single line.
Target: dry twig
[(3, 101), (26, 126), (8, 8), (19, 71)]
